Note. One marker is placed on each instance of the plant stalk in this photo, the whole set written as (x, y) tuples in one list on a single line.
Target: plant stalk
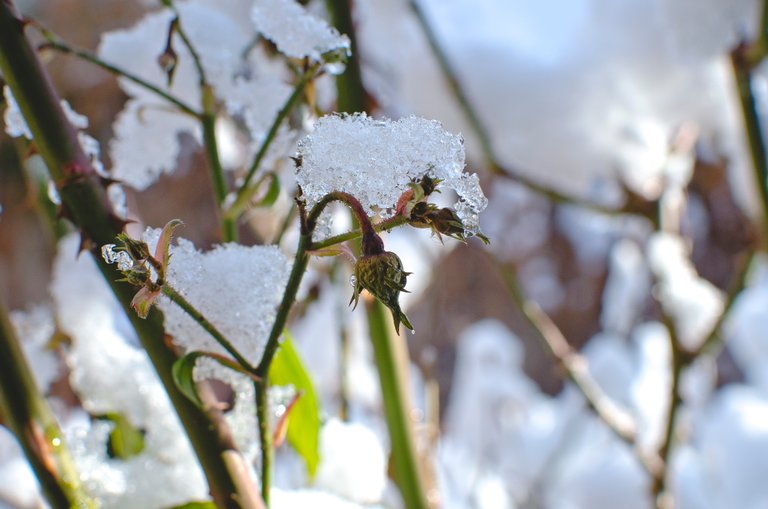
[(392, 377), (27, 414)]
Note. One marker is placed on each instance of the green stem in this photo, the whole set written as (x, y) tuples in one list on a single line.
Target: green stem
[(241, 201), (210, 141), (659, 479), (351, 96), (58, 45), (289, 297), (211, 329), (300, 262), (742, 70), (86, 204), (262, 370), (265, 436), (208, 122), (385, 225), (27, 414), (190, 47), (392, 376), (245, 191)]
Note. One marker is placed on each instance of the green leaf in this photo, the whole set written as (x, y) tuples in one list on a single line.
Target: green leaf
[(304, 423), (183, 372), (125, 440), (273, 191), (183, 376), (195, 505)]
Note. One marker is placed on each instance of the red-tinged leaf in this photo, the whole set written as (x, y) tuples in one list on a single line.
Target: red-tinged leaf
[(303, 427), (338, 249), (143, 300), (281, 427), (164, 242)]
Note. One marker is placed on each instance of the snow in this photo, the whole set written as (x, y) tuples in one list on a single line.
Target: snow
[(375, 160), (296, 32), (237, 288)]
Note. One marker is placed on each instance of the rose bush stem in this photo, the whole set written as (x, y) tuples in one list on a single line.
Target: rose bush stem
[(28, 416)]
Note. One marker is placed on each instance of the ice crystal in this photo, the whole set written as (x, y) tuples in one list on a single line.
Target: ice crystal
[(375, 160), (296, 33), (236, 287)]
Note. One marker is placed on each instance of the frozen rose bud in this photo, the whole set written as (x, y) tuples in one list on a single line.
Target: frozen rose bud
[(383, 276)]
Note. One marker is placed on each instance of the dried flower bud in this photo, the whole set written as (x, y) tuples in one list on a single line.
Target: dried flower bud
[(382, 274), (442, 221)]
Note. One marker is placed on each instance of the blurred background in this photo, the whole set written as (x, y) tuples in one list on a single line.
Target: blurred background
[(590, 112)]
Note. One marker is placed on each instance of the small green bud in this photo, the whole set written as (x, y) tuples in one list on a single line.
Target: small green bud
[(383, 276)]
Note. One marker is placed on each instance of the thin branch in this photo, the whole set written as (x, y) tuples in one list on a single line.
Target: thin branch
[(289, 297), (742, 71), (265, 436), (659, 478), (188, 44), (57, 44), (576, 367), (244, 192), (208, 124)]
